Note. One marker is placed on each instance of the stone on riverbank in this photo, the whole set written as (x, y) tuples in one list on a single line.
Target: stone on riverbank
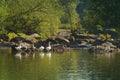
[(106, 47)]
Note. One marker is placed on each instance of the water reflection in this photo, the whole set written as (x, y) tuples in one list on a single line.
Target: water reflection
[(79, 65), (110, 55), (21, 55), (48, 54), (18, 55), (41, 54), (33, 55), (106, 55)]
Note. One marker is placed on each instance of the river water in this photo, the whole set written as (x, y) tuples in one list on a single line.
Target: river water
[(75, 65)]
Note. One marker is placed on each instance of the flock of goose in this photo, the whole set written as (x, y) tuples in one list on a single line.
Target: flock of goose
[(25, 50), (25, 47)]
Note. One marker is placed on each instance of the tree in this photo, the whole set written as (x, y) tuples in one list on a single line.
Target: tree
[(3, 15), (100, 12), (70, 15), (40, 16), (35, 16)]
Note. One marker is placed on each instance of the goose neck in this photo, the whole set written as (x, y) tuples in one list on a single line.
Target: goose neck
[(49, 44)]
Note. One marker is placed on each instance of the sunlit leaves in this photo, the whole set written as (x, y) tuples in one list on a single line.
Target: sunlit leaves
[(40, 16)]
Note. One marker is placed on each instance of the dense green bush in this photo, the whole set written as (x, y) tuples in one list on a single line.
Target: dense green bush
[(12, 35), (22, 35), (99, 27)]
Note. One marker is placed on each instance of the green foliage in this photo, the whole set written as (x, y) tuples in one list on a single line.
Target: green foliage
[(105, 36), (43, 36), (99, 27), (101, 12), (22, 35), (70, 16), (47, 16), (36, 16), (113, 29), (102, 36), (41, 16), (3, 16), (12, 35), (65, 26), (108, 36)]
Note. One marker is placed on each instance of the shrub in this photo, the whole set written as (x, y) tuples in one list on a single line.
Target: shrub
[(22, 35), (103, 36), (12, 35), (113, 29), (43, 36), (108, 36), (99, 27)]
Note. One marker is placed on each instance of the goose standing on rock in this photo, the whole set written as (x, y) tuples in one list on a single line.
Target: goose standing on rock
[(19, 48), (49, 47)]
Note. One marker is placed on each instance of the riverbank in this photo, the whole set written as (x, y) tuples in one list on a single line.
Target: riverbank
[(5, 46), (64, 41)]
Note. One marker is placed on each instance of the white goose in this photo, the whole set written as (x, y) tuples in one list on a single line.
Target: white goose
[(49, 47), (41, 48), (18, 48)]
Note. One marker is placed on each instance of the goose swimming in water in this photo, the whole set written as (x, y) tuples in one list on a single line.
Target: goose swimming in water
[(41, 48), (49, 47)]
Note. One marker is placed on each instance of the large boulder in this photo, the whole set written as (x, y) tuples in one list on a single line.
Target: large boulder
[(17, 39), (32, 37), (62, 40), (4, 37), (60, 48), (106, 47)]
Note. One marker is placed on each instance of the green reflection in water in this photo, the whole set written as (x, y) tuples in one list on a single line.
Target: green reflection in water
[(77, 65)]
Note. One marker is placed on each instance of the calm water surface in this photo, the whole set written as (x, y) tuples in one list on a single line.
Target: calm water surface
[(77, 65)]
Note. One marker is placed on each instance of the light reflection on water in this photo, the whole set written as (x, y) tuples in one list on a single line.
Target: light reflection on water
[(41, 54), (77, 65)]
